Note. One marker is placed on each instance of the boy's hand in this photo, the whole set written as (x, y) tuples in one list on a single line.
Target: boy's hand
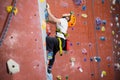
[(47, 6)]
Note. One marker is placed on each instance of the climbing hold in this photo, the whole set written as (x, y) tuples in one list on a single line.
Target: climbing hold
[(117, 24), (84, 51), (102, 28), (108, 58), (103, 73), (108, 65), (111, 24), (114, 2), (43, 25), (98, 21), (84, 7), (13, 66), (97, 59), (104, 22), (42, 1), (102, 38), (78, 43), (112, 8), (66, 77), (77, 2), (80, 69), (103, 1), (113, 32), (92, 74), (85, 59), (72, 60), (91, 58), (97, 27), (116, 19), (59, 77), (116, 35), (90, 44), (84, 15), (9, 9)]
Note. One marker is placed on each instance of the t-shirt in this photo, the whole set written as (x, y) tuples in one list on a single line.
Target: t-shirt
[(63, 26)]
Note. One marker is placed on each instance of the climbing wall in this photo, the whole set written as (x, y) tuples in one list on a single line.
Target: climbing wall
[(21, 47), (94, 47)]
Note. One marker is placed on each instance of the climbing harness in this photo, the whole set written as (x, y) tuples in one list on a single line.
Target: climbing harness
[(60, 42), (7, 24)]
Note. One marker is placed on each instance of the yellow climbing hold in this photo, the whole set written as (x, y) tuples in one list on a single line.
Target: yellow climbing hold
[(43, 25), (103, 29), (103, 73), (84, 15), (113, 32), (42, 0), (59, 77), (9, 9)]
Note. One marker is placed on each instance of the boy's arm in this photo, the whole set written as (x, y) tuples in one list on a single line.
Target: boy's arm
[(51, 16)]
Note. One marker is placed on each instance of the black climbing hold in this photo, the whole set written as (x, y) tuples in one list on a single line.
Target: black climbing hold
[(97, 27), (91, 59)]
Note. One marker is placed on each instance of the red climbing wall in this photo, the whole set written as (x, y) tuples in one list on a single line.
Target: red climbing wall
[(22, 42), (84, 35)]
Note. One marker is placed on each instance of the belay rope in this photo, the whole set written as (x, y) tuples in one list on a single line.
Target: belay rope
[(7, 24)]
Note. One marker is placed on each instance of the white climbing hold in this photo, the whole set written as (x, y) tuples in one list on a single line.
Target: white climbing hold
[(13, 66)]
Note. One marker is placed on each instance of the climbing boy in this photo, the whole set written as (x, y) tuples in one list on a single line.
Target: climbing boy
[(57, 43)]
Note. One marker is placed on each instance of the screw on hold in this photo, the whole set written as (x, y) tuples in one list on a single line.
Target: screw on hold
[(102, 38), (80, 69), (98, 21), (92, 74), (104, 22), (66, 77), (103, 1), (103, 73), (97, 27), (59, 77), (103, 29), (97, 59), (84, 7), (90, 44), (91, 59), (84, 51), (77, 2)]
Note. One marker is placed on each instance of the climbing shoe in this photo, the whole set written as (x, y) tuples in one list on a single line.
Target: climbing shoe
[(49, 70), (50, 55)]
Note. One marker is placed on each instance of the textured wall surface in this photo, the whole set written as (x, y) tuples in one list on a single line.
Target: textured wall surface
[(23, 42)]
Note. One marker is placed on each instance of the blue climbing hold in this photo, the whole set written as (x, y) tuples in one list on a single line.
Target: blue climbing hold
[(97, 27), (104, 22), (102, 38), (84, 7)]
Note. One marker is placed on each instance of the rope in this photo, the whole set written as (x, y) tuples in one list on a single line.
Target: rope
[(7, 24)]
